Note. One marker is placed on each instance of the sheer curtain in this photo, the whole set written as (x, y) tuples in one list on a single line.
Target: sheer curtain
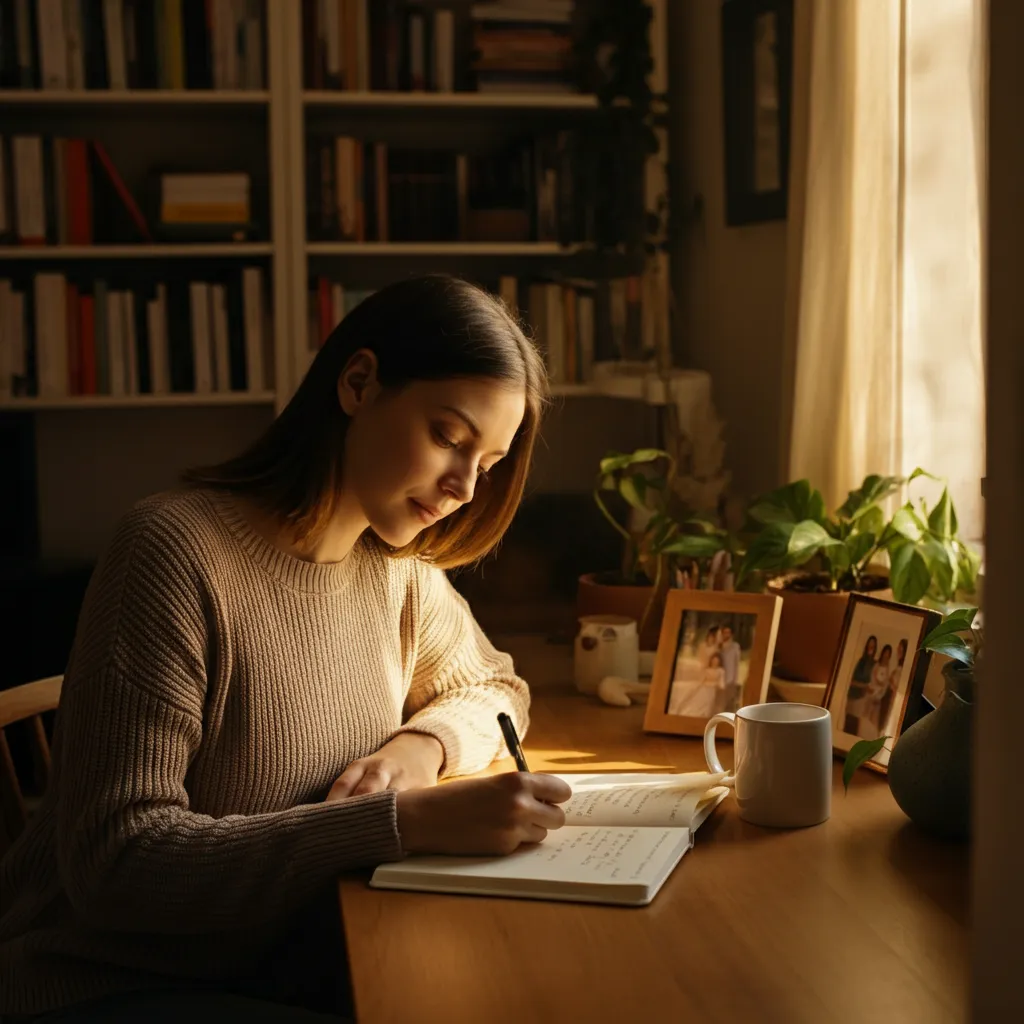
[(883, 319)]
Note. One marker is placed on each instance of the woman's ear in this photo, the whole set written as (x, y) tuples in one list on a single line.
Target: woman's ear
[(357, 383)]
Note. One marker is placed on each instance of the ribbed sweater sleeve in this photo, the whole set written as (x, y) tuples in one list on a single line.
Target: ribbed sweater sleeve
[(131, 853), (459, 681)]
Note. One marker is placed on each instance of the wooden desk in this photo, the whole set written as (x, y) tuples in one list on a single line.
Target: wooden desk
[(861, 918)]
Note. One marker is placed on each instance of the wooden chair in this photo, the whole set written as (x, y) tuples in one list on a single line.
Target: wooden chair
[(25, 703)]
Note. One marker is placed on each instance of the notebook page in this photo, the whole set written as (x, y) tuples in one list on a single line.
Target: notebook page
[(604, 856), (621, 800)]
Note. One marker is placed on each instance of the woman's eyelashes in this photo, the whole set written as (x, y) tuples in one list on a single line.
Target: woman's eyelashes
[(445, 440)]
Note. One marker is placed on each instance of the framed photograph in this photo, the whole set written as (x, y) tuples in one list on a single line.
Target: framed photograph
[(714, 654), (757, 58), (877, 682)]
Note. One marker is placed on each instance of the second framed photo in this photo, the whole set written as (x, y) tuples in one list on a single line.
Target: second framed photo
[(879, 673), (714, 654)]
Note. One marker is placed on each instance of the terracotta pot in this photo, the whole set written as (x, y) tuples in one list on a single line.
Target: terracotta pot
[(596, 598), (809, 629)]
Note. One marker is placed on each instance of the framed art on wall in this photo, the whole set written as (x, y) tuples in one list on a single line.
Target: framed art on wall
[(714, 654), (757, 58)]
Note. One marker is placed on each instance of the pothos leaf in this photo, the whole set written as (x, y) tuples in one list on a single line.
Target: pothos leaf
[(861, 751)]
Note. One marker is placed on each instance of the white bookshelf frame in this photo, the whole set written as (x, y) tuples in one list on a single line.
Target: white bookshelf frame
[(395, 100), (133, 97), (170, 250), (147, 401)]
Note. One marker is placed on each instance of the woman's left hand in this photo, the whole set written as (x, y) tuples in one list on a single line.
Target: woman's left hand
[(411, 760)]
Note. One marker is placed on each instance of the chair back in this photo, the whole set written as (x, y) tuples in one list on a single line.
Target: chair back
[(26, 703)]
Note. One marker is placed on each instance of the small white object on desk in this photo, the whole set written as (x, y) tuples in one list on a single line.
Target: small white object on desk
[(618, 691), (606, 645)]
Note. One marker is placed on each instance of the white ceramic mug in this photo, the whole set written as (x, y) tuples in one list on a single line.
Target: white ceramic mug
[(783, 762), (606, 645)]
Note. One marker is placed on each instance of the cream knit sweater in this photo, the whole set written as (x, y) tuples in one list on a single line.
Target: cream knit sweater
[(216, 689)]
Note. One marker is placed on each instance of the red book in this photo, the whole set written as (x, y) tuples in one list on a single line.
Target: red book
[(324, 307), (74, 353), (79, 196), (122, 190), (87, 345)]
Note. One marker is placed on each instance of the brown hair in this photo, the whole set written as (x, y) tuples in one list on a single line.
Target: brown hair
[(433, 327)]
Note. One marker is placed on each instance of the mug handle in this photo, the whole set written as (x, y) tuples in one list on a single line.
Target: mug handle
[(710, 754)]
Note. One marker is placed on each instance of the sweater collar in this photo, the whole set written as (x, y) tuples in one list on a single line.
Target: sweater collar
[(297, 573)]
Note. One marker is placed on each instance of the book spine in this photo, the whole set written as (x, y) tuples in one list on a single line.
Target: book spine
[(252, 295), (101, 337), (29, 205), (52, 38), (199, 295), (113, 31), (87, 344)]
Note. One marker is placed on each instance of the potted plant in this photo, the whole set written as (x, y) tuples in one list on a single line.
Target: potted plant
[(929, 769), (660, 536), (815, 560)]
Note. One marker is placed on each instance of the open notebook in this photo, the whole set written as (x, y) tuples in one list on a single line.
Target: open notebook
[(622, 837)]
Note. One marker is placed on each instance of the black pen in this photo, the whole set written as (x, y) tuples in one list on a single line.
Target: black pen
[(508, 730)]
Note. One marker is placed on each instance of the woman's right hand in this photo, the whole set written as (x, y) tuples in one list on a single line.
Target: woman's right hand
[(481, 817)]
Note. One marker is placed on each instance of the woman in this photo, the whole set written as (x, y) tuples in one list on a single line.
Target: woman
[(708, 648), (860, 680), (269, 675), (871, 722), (895, 674)]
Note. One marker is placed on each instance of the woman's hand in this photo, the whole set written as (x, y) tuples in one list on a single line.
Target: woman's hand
[(486, 816), (411, 760)]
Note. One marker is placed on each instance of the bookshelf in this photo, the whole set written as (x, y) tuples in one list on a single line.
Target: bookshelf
[(267, 131)]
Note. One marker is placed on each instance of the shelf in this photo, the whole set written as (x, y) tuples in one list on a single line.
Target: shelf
[(142, 251), (440, 249), (138, 401), (452, 100), (132, 97), (574, 391)]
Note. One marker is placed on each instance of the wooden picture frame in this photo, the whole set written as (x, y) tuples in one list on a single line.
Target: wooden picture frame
[(757, 63), (696, 672), (879, 706)]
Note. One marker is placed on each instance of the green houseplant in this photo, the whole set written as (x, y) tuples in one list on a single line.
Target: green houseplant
[(929, 770), (659, 532), (816, 559)]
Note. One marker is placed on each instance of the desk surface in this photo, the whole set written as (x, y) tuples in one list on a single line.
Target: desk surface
[(860, 918)]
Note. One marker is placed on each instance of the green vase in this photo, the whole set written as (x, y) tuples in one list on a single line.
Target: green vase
[(930, 765)]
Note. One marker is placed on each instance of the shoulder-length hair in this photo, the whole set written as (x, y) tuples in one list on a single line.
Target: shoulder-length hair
[(433, 327)]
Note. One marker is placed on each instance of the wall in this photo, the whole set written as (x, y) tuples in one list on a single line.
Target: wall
[(729, 282)]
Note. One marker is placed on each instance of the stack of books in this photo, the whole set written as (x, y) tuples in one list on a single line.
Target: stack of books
[(206, 206), (132, 44), (61, 336), (523, 46)]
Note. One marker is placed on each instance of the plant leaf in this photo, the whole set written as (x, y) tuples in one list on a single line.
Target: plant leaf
[(872, 521), (692, 545), (923, 472), (907, 524), (615, 461), (861, 751), (969, 562), (908, 574), (940, 521), (953, 647), (790, 504), (941, 568), (806, 539), (858, 546), (634, 489), (873, 490)]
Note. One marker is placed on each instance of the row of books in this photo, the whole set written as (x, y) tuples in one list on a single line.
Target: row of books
[(532, 190), (521, 46), (64, 191), (60, 337), (132, 44), (575, 323)]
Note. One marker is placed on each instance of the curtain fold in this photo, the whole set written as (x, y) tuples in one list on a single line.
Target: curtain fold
[(883, 315)]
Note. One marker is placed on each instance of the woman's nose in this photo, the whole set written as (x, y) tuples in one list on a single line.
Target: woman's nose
[(460, 486)]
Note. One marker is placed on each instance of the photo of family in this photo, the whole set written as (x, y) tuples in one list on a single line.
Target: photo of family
[(712, 662), (877, 665)]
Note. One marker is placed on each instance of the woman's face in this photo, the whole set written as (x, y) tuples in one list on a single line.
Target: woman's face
[(416, 455), (715, 661)]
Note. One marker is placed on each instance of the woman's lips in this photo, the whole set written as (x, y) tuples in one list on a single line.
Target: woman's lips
[(427, 513)]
